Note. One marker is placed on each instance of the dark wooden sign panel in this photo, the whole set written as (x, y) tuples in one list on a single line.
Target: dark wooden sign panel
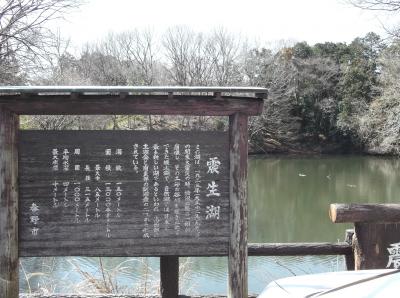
[(123, 193)]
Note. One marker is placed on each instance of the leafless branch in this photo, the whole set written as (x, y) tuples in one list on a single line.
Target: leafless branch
[(24, 36), (379, 5)]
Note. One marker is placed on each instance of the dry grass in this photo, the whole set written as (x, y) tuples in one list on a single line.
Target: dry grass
[(104, 278)]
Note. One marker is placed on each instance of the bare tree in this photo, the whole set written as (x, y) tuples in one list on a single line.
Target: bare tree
[(187, 57), (198, 59), (59, 66), (224, 50), (177, 42), (382, 5), (49, 122), (388, 6), (135, 51), (23, 33), (138, 53), (200, 63), (187, 62)]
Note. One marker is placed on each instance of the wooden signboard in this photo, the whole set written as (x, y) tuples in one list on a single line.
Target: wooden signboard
[(123, 193)]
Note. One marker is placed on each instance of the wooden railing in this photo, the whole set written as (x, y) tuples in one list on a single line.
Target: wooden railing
[(299, 249), (377, 229), (169, 265)]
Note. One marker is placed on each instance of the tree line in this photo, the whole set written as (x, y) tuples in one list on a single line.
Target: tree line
[(327, 97)]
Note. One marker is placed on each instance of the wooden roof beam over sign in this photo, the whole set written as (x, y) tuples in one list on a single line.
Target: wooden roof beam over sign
[(236, 102), (210, 101)]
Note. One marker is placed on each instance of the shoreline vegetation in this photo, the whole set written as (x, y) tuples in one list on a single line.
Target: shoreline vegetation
[(330, 97), (325, 98)]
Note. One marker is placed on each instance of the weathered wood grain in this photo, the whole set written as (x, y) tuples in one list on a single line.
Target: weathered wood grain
[(237, 258), (371, 244), (82, 104), (169, 276), (62, 233), (299, 249), (8, 204), (349, 258), (130, 89), (377, 213)]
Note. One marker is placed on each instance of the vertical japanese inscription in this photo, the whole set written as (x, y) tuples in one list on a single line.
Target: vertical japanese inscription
[(394, 256), (166, 193), (136, 188), (177, 189), (188, 188), (146, 190), (34, 219), (156, 184), (197, 190), (213, 210)]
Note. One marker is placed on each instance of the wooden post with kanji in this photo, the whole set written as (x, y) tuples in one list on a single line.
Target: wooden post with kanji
[(376, 239), (126, 193)]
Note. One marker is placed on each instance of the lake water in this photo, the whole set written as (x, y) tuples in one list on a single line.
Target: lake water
[(289, 199)]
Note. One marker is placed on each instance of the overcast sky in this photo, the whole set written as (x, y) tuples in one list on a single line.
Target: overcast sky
[(259, 20)]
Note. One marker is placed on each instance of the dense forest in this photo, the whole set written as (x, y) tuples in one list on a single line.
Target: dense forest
[(327, 97)]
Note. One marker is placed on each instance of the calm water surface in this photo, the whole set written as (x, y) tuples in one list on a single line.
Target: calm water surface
[(289, 199)]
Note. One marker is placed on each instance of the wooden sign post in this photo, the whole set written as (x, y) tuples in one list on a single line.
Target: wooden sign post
[(238, 206), (8, 204), (376, 239), (125, 193)]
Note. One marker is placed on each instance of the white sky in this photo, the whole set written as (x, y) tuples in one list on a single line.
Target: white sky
[(259, 20)]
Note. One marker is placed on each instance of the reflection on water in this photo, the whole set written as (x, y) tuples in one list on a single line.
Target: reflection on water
[(203, 275), (294, 194), (288, 202)]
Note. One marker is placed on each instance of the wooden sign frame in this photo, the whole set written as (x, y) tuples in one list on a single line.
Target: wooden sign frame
[(234, 102)]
